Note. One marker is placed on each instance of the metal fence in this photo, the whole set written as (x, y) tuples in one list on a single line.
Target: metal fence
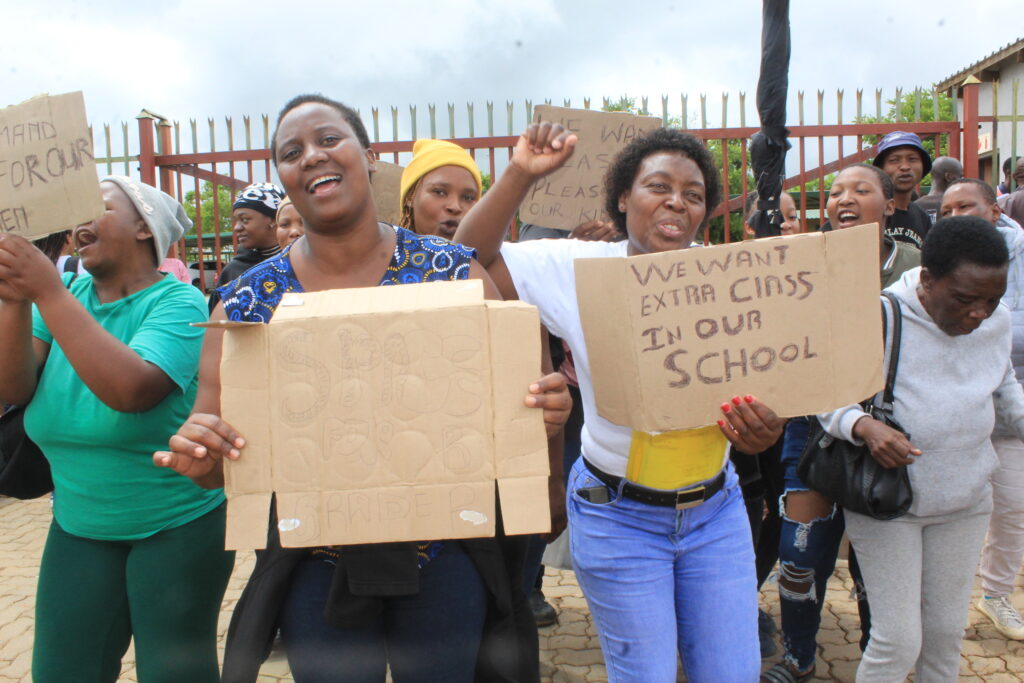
[(221, 157)]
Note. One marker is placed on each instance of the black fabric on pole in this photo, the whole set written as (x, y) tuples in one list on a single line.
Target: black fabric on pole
[(768, 146)]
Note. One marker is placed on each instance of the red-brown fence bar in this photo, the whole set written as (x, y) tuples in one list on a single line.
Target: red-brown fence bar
[(218, 170)]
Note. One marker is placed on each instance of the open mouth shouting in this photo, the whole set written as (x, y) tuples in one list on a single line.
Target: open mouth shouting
[(672, 229), (847, 218), (84, 237), (323, 184)]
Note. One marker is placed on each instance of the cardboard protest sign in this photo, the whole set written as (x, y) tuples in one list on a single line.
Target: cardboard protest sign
[(385, 414), (795, 321), (574, 194), (48, 179), (386, 185)]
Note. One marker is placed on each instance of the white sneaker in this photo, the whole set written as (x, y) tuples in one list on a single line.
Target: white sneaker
[(1005, 618)]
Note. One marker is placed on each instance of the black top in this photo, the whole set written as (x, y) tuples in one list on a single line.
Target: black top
[(910, 225), (930, 204)]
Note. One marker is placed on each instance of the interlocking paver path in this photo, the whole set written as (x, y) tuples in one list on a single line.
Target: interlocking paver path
[(569, 651)]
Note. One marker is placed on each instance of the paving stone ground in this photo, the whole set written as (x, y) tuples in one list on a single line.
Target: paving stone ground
[(570, 652)]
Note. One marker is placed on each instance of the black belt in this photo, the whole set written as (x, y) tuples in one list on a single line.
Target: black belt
[(680, 500)]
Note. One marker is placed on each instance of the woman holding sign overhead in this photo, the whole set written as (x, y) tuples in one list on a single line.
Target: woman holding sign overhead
[(423, 607), (662, 552), (107, 365)]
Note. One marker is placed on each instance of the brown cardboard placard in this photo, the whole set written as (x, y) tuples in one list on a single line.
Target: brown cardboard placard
[(792, 320), (385, 414), (48, 179), (574, 194), (386, 185)]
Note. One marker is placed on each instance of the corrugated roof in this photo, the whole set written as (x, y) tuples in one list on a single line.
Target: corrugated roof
[(981, 65)]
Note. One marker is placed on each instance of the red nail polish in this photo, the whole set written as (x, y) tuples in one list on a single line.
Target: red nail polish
[(748, 398), (736, 400), (726, 407), (721, 423)]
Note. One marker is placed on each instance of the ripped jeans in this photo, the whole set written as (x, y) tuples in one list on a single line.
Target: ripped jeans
[(807, 558)]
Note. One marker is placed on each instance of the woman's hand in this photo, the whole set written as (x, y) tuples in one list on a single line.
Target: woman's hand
[(198, 449), (544, 147), (595, 231), (750, 425), (25, 272), (890, 447), (551, 393)]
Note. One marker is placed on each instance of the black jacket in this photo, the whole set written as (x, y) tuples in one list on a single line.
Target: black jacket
[(365, 574)]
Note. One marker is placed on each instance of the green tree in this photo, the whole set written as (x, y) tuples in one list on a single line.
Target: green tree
[(224, 201), (907, 108), (734, 164), (626, 104)]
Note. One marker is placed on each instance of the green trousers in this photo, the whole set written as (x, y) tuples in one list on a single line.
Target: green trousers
[(164, 590)]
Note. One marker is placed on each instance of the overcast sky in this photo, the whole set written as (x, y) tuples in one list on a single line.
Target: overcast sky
[(200, 58)]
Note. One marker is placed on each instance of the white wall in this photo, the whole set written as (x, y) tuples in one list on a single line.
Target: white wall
[(1004, 130)]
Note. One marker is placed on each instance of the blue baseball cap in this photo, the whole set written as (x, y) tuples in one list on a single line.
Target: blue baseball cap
[(900, 138)]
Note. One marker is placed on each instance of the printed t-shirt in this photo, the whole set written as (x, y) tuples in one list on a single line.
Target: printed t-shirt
[(254, 297), (543, 274), (106, 486), (909, 225)]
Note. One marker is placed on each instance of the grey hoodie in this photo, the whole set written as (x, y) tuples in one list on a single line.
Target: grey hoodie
[(1014, 299), (947, 393)]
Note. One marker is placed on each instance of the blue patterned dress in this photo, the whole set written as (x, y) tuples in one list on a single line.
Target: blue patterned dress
[(254, 297)]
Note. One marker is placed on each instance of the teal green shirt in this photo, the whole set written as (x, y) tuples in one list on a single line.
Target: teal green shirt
[(105, 483)]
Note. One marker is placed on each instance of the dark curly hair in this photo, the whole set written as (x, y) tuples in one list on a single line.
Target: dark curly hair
[(350, 115), (955, 240), (623, 169)]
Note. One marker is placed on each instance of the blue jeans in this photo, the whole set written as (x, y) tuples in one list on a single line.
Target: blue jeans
[(807, 558), (432, 636), (660, 580)]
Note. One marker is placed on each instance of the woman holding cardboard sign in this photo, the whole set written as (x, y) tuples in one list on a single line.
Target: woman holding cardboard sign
[(663, 555), (425, 615), (107, 365)]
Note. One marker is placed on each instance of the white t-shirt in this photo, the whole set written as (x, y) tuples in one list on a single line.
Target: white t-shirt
[(64, 259), (544, 276)]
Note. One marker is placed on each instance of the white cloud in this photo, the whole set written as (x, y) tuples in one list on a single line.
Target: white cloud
[(199, 58)]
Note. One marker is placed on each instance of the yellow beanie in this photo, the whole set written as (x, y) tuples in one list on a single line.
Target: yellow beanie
[(287, 201), (429, 154)]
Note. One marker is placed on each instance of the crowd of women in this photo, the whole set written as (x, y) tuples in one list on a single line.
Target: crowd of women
[(123, 397)]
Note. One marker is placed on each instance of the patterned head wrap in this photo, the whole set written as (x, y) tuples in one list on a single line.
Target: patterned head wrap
[(262, 197)]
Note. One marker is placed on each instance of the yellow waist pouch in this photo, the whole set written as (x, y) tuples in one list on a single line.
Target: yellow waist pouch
[(675, 460)]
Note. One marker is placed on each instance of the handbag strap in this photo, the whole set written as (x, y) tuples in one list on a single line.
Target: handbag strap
[(894, 348)]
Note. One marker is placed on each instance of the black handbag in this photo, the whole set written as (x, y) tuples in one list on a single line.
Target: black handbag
[(24, 470), (847, 473)]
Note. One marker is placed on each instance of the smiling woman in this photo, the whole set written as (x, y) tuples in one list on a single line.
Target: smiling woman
[(424, 607)]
